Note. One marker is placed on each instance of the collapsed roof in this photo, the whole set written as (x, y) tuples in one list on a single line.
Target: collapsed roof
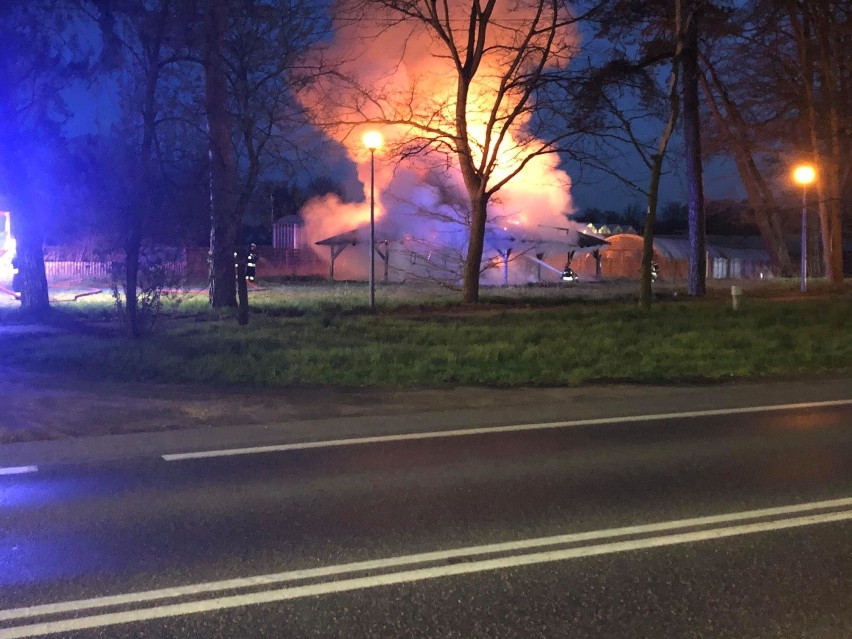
[(501, 240)]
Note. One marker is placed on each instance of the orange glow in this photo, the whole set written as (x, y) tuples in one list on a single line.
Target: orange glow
[(804, 174), (414, 105)]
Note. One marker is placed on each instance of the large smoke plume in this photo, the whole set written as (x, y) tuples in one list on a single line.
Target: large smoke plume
[(397, 73)]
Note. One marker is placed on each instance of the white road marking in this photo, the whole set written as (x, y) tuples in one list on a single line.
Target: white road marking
[(392, 578), (406, 560), (466, 432), (18, 470)]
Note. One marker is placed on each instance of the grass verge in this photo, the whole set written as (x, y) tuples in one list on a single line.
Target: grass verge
[(406, 344)]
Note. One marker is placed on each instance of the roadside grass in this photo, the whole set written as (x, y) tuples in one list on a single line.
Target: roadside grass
[(321, 334)]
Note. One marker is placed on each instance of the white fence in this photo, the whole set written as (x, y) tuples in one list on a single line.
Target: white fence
[(94, 270), (69, 270)]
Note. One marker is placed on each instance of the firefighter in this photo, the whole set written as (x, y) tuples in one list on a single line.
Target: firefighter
[(251, 263), (568, 274)]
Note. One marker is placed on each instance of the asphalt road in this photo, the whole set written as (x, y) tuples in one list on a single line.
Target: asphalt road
[(727, 525)]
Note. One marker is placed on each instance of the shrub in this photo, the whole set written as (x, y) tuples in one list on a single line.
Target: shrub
[(160, 279)]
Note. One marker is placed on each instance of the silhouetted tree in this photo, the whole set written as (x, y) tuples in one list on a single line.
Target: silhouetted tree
[(36, 63)]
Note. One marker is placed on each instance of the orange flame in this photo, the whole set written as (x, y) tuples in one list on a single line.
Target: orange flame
[(412, 80)]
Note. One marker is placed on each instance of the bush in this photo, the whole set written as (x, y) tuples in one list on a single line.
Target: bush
[(160, 279)]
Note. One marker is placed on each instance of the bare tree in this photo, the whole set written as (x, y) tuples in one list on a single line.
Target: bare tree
[(748, 111), (686, 53), (500, 64), (224, 225), (820, 30), (656, 163), (36, 62), (624, 91), (251, 70), (144, 56), (18, 182), (697, 277), (777, 88)]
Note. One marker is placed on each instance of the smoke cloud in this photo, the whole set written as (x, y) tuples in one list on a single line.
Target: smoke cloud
[(401, 74)]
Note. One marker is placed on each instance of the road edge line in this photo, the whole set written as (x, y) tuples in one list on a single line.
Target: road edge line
[(395, 578)]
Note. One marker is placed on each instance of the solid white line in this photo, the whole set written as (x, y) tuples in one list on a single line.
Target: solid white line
[(359, 583), (406, 560), (18, 470), (466, 432)]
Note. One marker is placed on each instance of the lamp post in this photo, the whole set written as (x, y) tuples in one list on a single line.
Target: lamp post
[(372, 140), (804, 174)]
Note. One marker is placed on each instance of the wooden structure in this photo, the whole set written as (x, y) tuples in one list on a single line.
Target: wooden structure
[(408, 257), (288, 232), (360, 236)]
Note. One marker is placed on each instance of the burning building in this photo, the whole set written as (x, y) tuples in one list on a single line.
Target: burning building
[(509, 259), (468, 156)]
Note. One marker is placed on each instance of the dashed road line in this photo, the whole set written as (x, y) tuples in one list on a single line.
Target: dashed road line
[(514, 428), (17, 470)]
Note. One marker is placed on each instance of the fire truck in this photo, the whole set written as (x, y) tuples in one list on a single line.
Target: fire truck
[(7, 249)]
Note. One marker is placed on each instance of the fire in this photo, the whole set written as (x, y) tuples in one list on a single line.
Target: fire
[(414, 81)]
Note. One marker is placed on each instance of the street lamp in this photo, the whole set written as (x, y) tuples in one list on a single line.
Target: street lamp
[(804, 174), (372, 140)]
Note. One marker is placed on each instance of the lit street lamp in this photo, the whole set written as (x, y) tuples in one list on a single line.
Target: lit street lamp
[(804, 174), (372, 140)]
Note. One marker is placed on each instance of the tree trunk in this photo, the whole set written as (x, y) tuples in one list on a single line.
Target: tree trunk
[(26, 219), (18, 184), (645, 289), (833, 73), (224, 226), (694, 167), (805, 20), (759, 195), (30, 254), (242, 287), (131, 285), (142, 205), (473, 261)]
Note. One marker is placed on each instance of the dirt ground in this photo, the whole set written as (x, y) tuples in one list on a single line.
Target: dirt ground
[(55, 406), (40, 407), (58, 406)]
